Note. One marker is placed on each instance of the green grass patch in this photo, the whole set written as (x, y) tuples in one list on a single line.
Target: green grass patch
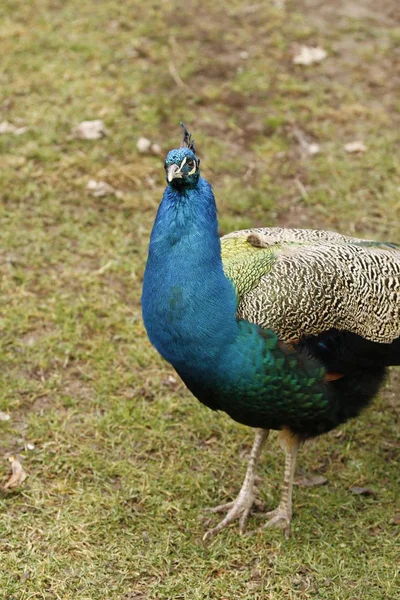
[(123, 458)]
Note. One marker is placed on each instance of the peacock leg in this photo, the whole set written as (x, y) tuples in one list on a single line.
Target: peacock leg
[(281, 516), (240, 508)]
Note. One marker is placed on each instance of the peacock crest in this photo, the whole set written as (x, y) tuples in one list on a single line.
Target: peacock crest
[(187, 141)]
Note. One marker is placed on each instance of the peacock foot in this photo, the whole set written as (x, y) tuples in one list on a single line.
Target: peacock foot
[(238, 509), (279, 518)]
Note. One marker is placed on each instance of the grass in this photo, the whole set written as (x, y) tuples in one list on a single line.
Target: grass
[(124, 458)]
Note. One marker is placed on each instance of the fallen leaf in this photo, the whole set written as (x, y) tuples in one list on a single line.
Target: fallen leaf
[(4, 416), (211, 441), (6, 127), (26, 575), (90, 130), (362, 491), (354, 147), (391, 444), (113, 25), (105, 267), (310, 148), (18, 474), (99, 189), (145, 537), (396, 519), (308, 55), (170, 381), (312, 481)]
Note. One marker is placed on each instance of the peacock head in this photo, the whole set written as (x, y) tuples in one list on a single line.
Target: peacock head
[(181, 165)]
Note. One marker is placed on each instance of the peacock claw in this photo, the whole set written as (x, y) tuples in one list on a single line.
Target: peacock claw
[(279, 518), (239, 509), (221, 508)]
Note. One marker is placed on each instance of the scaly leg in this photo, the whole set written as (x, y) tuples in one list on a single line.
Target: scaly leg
[(240, 508), (281, 516)]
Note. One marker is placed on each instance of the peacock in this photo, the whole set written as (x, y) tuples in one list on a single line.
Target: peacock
[(282, 329)]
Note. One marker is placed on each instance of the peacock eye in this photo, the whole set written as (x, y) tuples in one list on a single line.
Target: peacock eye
[(191, 164)]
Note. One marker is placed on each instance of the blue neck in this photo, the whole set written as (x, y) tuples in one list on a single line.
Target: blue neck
[(189, 305)]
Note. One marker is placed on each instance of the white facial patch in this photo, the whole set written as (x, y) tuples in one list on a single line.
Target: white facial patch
[(182, 165)]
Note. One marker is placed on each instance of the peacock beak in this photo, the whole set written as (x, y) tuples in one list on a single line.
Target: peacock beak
[(174, 172)]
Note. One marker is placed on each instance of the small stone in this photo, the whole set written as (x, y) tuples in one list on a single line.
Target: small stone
[(313, 148), (99, 189), (30, 446), (6, 127), (308, 55), (151, 182), (354, 147), (143, 145), (156, 149), (90, 130), (4, 416)]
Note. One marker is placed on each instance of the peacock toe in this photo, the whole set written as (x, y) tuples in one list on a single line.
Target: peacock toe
[(279, 518)]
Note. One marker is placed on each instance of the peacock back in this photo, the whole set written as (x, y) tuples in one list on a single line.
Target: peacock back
[(301, 282)]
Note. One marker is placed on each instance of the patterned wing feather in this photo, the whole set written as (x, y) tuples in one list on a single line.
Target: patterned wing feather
[(303, 282)]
